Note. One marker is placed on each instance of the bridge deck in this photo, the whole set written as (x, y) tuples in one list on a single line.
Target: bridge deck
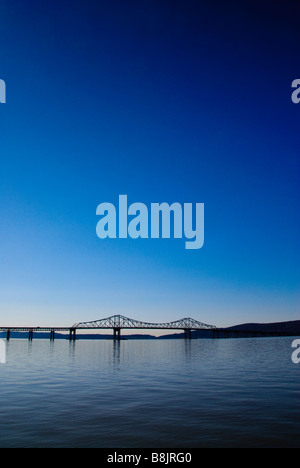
[(119, 322)]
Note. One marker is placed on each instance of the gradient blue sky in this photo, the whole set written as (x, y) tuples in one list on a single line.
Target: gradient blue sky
[(186, 101)]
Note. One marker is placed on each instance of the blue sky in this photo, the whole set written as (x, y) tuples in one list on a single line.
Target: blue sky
[(182, 103)]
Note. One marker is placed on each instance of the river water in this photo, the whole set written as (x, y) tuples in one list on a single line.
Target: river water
[(150, 394)]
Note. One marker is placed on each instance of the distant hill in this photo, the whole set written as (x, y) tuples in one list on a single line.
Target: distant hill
[(195, 334), (278, 327), (289, 328)]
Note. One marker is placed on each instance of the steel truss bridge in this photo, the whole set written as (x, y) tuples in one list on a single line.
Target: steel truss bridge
[(119, 322), (115, 323)]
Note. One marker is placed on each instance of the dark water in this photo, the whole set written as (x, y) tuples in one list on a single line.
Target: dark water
[(174, 394)]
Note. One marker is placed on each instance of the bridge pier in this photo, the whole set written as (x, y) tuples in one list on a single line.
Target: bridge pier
[(30, 335), (52, 335), (187, 334), (72, 335), (117, 334), (8, 335)]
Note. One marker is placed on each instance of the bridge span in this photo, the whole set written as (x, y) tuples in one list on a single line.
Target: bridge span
[(116, 323)]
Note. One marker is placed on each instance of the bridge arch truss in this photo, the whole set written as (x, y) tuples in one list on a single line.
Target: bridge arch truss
[(119, 321)]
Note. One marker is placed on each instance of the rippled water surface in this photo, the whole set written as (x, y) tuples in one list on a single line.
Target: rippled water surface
[(168, 393)]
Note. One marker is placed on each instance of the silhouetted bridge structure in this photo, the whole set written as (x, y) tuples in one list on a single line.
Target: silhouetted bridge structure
[(119, 322)]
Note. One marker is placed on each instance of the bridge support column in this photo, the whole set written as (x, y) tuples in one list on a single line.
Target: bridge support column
[(30, 335), (72, 335), (117, 334), (52, 335), (188, 334), (8, 335)]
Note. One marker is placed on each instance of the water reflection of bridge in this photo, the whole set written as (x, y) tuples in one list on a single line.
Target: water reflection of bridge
[(119, 322)]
